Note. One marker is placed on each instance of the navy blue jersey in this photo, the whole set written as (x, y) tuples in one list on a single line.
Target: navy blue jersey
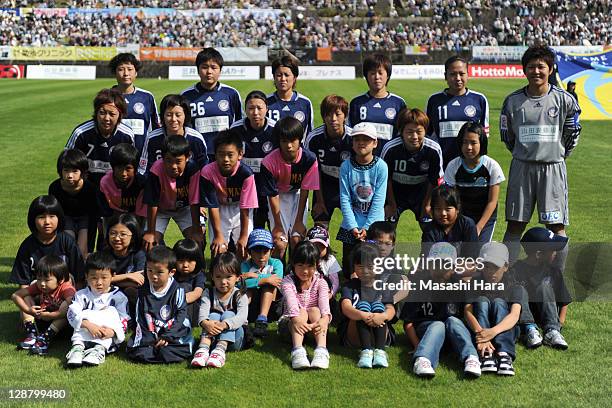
[(87, 139), (330, 155), (213, 111), (142, 115), (256, 143), (411, 172), (32, 250), (463, 236), (380, 112), (151, 151), (133, 261), (82, 204), (447, 113), (299, 106), (161, 316), (474, 184)]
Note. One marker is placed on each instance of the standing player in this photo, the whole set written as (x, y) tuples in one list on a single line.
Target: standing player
[(331, 143), (97, 136), (415, 168), (142, 115), (378, 106), (450, 109), (175, 116), (214, 106), (539, 124), (256, 133), (286, 101)]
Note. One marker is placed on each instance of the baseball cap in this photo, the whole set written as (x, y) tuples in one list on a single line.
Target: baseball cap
[(318, 234), (542, 239), (442, 250), (366, 129), (260, 237), (495, 253)]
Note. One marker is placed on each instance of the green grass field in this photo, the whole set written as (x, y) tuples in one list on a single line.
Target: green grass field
[(37, 118)]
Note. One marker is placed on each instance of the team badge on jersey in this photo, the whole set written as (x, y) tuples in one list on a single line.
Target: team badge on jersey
[(164, 312), (470, 111), (553, 112), (267, 147), (503, 122), (223, 105), (299, 115), (345, 155), (390, 113), (424, 166), (451, 309), (139, 108)]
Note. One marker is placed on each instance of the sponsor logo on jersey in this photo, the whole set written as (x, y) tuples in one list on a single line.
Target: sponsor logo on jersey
[(345, 155), (255, 140), (377, 105), (139, 108), (267, 147), (286, 108), (503, 122), (553, 112), (550, 217), (299, 115), (390, 113), (209, 99), (223, 105), (537, 105), (424, 166), (456, 103), (470, 111), (164, 312)]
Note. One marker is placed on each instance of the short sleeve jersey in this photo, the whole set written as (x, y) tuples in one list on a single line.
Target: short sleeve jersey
[(299, 106)]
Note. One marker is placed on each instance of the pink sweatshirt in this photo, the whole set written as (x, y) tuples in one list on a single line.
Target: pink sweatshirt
[(317, 295)]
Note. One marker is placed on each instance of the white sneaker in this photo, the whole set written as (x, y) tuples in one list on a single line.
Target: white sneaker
[(422, 367), (216, 359), (555, 339), (320, 359), (472, 366), (75, 356), (200, 358), (95, 355), (533, 338), (299, 359)]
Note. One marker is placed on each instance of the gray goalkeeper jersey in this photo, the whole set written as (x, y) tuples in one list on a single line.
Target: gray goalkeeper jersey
[(542, 129)]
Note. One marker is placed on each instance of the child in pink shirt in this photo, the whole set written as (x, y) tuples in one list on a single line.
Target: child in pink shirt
[(173, 192), (227, 188), (286, 178), (306, 307)]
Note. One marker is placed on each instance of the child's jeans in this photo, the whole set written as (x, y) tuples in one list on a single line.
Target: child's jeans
[(490, 313), (233, 337), (544, 307), (432, 334)]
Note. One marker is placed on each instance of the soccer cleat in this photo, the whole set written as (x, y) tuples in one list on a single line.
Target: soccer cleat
[(555, 339), (365, 358), (422, 367), (533, 339), (487, 363), (27, 343), (504, 366), (320, 358), (94, 356), (216, 359), (41, 347), (299, 359), (74, 358), (472, 366), (380, 359), (200, 359), (261, 329)]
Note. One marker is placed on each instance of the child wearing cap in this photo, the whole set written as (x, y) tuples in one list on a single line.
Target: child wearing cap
[(547, 294), (432, 314), (328, 265), (492, 310), (262, 276), (363, 188)]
